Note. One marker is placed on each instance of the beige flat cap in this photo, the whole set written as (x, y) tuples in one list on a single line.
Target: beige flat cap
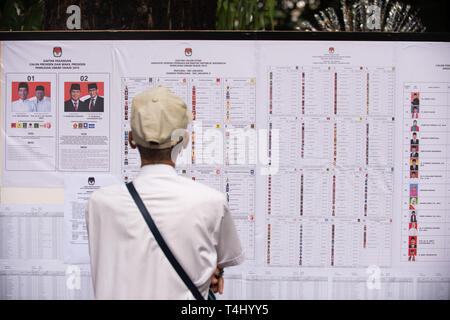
[(155, 114)]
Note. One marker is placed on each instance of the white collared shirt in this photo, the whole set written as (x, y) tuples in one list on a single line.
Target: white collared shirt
[(23, 106), (194, 219), (77, 102), (43, 105)]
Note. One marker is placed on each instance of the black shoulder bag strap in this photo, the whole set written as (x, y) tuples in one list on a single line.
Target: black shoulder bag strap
[(158, 237)]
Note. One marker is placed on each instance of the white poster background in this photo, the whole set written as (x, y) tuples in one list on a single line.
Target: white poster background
[(78, 189), (84, 137), (23, 60), (30, 136)]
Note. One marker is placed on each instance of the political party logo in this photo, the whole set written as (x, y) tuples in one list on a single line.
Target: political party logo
[(13, 125), (188, 52), (91, 181), (36, 125), (24, 125), (49, 125), (85, 125), (91, 125), (57, 52), (80, 125), (331, 50)]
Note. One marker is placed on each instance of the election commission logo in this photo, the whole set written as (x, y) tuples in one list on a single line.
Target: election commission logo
[(188, 52), (57, 52)]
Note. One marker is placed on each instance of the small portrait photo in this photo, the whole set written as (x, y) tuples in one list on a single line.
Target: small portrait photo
[(413, 188), (413, 216), (83, 97), (413, 201), (31, 97), (414, 152), (414, 138), (414, 164), (412, 252), (415, 98), (415, 126), (414, 174), (413, 242), (413, 229), (415, 112)]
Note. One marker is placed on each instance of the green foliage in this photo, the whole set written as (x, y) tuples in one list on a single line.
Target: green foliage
[(245, 14), (21, 15)]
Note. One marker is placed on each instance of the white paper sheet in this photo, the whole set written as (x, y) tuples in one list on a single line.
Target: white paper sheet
[(78, 188)]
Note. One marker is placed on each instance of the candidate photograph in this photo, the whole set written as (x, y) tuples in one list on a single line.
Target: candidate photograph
[(31, 97), (83, 97)]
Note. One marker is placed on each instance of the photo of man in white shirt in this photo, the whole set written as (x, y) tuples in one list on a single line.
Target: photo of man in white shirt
[(42, 103), (23, 104)]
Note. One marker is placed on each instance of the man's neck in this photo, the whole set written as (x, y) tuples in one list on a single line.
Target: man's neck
[(145, 162)]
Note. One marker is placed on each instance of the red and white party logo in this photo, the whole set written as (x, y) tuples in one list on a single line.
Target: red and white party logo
[(331, 50), (188, 52), (57, 52)]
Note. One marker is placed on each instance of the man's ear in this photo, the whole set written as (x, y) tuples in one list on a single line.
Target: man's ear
[(177, 134), (131, 141)]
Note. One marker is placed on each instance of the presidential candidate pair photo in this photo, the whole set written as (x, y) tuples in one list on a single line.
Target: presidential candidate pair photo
[(40, 102), (79, 103)]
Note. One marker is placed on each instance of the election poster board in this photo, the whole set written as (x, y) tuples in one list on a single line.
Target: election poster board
[(333, 153)]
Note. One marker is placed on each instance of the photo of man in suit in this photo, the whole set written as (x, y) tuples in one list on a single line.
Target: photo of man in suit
[(413, 216), (414, 112), (414, 165), (74, 104), (415, 98), (414, 153), (95, 103), (414, 139)]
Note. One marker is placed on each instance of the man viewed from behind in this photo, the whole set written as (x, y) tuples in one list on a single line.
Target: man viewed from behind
[(194, 219)]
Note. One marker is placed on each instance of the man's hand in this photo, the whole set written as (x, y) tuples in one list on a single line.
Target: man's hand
[(217, 281)]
